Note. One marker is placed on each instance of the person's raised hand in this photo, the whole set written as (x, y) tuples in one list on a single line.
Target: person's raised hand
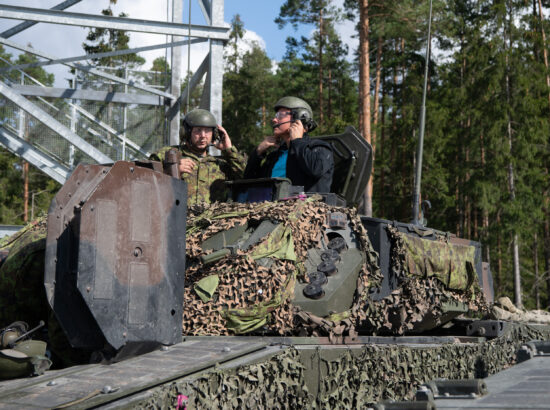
[(296, 130), (268, 142), (225, 141), (186, 166)]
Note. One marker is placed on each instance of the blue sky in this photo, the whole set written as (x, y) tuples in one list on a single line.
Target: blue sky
[(258, 17)]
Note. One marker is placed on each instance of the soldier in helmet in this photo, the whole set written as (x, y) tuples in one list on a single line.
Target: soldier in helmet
[(289, 153), (204, 173)]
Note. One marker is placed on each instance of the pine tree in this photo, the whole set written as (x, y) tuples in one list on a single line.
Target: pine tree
[(318, 13)]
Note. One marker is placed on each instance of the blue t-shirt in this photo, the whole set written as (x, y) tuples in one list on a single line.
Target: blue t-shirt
[(279, 169)]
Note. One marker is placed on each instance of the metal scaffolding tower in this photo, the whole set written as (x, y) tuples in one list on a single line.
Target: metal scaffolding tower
[(56, 128)]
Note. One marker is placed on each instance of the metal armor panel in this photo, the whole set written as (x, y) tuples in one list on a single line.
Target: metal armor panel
[(115, 257)]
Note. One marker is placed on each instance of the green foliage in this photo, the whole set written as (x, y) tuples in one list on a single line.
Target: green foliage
[(236, 34), (248, 96), (101, 40), (487, 119), (41, 187)]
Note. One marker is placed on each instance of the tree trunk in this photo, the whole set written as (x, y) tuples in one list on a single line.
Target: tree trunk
[(405, 169), (25, 191), (475, 218), (457, 201), (484, 212), (321, 35), (544, 50), (499, 261), (517, 277), (375, 121), (393, 138), (329, 102), (264, 111), (460, 196), (515, 240), (364, 88), (382, 194), (536, 269), (546, 198), (467, 205), (546, 229)]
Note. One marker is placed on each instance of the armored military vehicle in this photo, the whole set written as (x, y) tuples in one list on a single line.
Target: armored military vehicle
[(278, 298)]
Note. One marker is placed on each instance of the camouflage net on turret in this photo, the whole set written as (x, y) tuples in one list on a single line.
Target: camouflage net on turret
[(416, 297), (253, 296), (249, 296)]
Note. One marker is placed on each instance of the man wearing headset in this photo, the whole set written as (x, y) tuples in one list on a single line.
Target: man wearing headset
[(289, 153), (204, 173)]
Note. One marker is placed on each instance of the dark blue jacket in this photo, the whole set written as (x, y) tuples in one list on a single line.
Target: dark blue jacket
[(310, 163)]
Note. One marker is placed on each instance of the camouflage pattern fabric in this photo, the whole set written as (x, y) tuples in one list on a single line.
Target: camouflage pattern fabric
[(206, 183), (255, 287), (447, 262), (350, 377), (22, 293), (256, 297), (416, 297)]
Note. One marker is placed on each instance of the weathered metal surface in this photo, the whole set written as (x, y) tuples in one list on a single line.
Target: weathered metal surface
[(115, 256), (56, 388), (348, 341), (323, 376), (486, 328), (524, 386), (457, 388), (243, 372)]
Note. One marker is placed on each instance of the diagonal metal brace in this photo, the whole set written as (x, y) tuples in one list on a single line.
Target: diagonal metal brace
[(90, 70), (196, 78), (103, 55), (25, 25), (40, 160), (53, 124), (114, 23)]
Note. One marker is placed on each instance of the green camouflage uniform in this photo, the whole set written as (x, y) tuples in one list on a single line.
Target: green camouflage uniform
[(22, 292), (206, 183), (22, 276)]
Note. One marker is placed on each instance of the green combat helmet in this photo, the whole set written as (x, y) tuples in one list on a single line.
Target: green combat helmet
[(21, 357), (197, 118), (300, 111)]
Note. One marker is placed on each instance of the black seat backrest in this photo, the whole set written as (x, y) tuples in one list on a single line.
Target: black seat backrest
[(352, 164)]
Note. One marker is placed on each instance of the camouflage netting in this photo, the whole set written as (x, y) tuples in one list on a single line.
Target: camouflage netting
[(277, 383), (348, 378), (22, 295), (420, 294), (251, 290), (252, 295)]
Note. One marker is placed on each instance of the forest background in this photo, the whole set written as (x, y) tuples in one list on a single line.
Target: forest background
[(486, 147)]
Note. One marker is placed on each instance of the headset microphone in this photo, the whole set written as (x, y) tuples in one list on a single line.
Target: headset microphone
[(281, 123)]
